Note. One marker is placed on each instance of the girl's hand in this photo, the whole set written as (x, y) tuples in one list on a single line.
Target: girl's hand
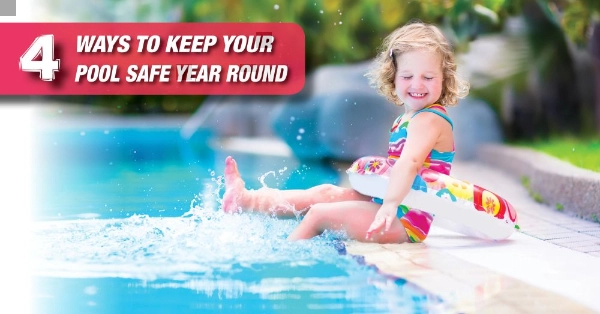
[(385, 216)]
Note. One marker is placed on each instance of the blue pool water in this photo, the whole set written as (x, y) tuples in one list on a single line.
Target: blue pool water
[(128, 221)]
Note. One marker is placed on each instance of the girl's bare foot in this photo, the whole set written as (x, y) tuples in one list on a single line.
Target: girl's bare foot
[(235, 188)]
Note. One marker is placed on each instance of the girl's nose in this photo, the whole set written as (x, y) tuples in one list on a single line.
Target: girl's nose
[(417, 83)]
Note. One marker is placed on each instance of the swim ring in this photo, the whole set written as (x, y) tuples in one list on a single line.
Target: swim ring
[(456, 205)]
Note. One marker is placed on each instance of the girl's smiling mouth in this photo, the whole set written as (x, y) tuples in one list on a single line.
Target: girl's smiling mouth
[(417, 95)]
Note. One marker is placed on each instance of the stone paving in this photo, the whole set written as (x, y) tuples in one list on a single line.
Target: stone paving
[(557, 183), (537, 220), (464, 286), (549, 266)]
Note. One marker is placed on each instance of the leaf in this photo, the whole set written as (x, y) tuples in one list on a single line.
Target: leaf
[(575, 21), (434, 9), (392, 12), (493, 5), (487, 13), (550, 11)]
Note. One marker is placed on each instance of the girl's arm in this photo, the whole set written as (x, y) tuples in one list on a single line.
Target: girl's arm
[(424, 130)]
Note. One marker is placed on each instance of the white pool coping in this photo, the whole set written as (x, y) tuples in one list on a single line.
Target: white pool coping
[(561, 270)]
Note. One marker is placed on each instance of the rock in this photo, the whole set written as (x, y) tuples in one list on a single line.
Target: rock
[(338, 116), (475, 123), (339, 78), (354, 124), (296, 125), (246, 116)]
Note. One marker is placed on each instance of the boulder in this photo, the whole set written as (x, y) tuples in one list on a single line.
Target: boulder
[(244, 116), (337, 116), (475, 123)]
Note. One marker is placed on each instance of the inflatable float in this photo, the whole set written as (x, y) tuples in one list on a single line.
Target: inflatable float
[(455, 204)]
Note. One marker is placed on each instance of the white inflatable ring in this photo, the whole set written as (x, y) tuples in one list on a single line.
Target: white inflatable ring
[(455, 204)]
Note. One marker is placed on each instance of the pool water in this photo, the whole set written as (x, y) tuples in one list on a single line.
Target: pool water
[(128, 221)]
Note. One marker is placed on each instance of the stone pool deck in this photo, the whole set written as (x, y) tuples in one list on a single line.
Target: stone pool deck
[(550, 266)]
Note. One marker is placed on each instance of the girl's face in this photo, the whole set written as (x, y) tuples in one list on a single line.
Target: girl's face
[(419, 78)]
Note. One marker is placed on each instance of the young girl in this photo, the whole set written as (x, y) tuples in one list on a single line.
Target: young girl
[(414, 68)]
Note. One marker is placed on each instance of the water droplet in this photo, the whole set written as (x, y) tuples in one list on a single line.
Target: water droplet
[(82, 133), (276, 7), (301, 131), (90, 290), (321, 11), (340, 22), (106, 131), (299, 137)]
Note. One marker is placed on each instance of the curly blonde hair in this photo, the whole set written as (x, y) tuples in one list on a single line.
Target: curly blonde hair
[(416, 35)]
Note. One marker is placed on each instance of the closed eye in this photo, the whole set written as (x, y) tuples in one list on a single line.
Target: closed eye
[(406, 77), (428, 78)]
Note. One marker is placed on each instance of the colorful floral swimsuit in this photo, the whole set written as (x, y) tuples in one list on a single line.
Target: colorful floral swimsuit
[(415, 221)]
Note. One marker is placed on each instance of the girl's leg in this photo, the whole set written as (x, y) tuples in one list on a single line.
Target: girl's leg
[(354, 217), (280, 202)]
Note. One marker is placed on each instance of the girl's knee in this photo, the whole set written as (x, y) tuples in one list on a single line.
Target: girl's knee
[(315, 210), (336, 193), (317, 214), (327, 188)]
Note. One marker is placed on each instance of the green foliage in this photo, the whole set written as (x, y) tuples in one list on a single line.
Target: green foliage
[(573, 16), (583, 153), (337, 31), (525, 181)]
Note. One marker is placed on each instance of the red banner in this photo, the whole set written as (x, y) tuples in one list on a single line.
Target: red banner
[(151, 58)]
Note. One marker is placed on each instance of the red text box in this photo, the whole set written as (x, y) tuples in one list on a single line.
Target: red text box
[(151, 58)]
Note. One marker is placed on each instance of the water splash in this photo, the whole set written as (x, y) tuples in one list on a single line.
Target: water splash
[(262, 178), (202, 242), (228, 259)]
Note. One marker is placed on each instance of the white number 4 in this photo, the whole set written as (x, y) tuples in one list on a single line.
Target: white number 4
[(43, 45)]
